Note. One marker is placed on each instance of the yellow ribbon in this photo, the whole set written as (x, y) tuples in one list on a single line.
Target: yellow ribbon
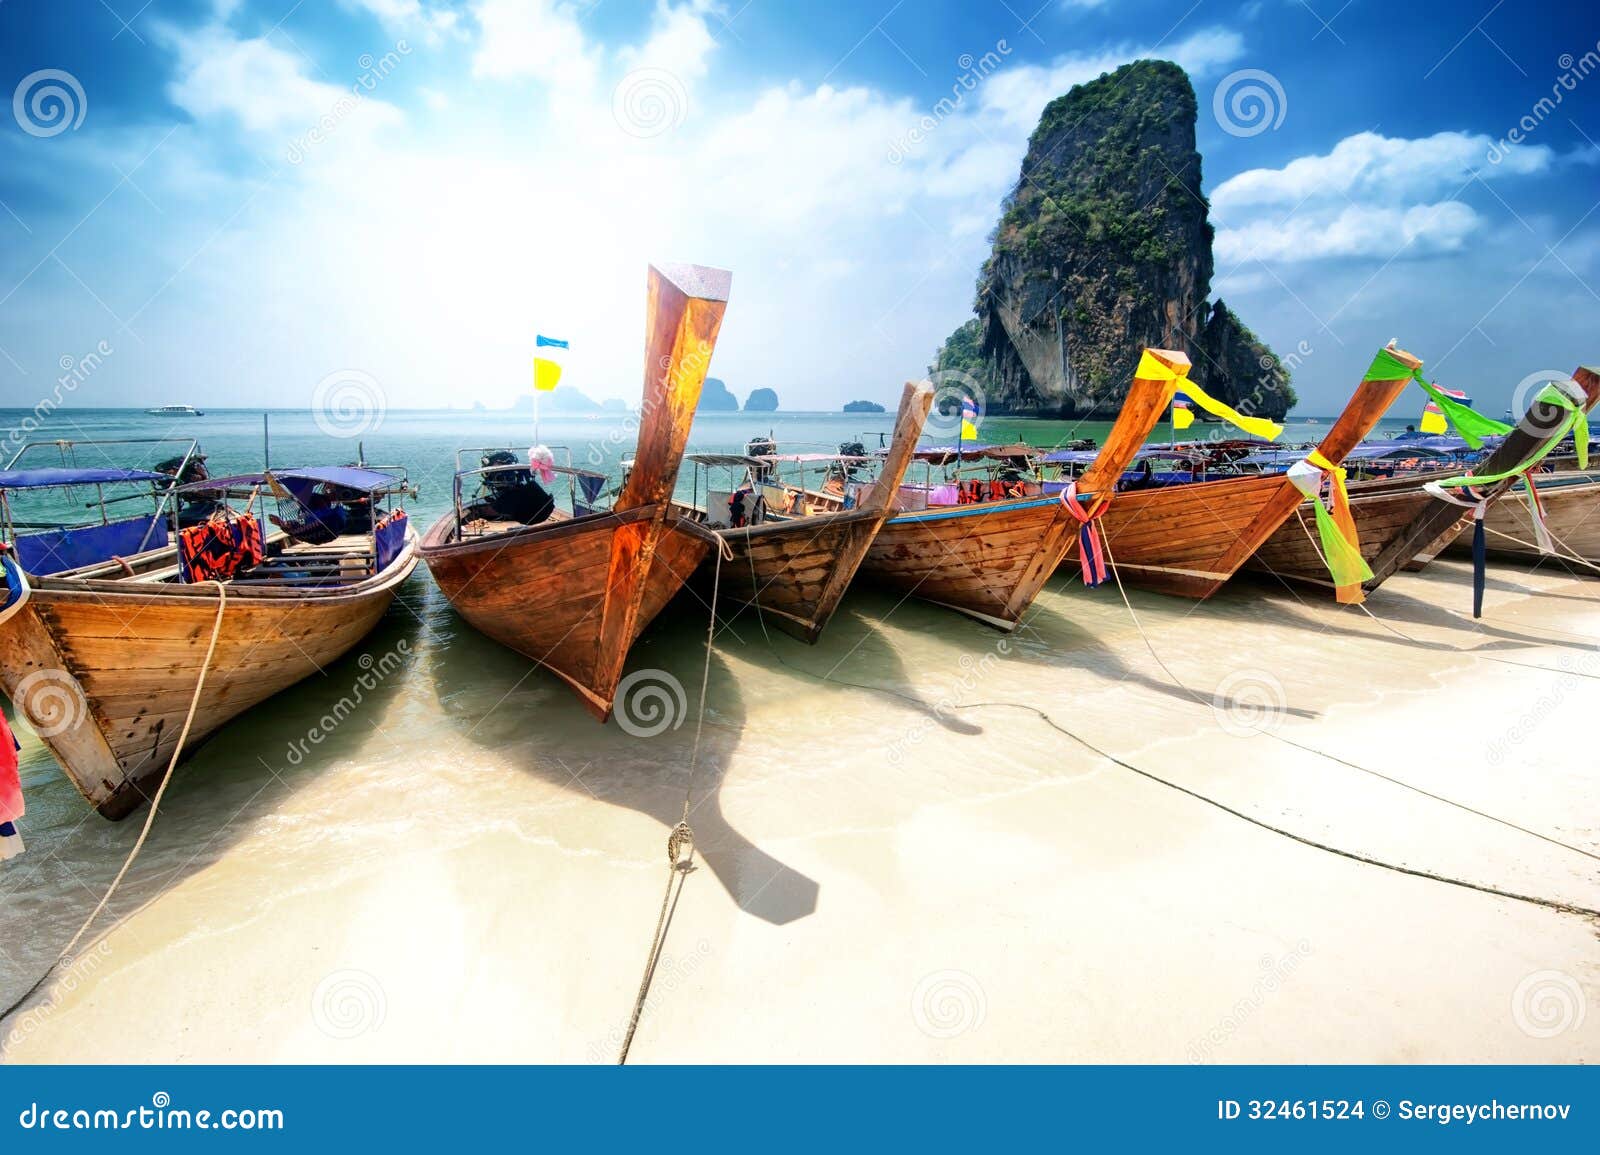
[(1150, 369), (1341, 546)]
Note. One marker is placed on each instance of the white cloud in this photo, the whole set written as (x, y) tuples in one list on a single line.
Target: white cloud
[(262, 87), (1368, 165), (411, 17), (1018, 94), (679, 41), (534, 38), (1370, 196), (1353, 231)]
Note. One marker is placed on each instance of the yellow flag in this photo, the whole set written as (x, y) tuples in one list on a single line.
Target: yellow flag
[(969, 431), (545, 374), (1433, 420), (1182, 417)]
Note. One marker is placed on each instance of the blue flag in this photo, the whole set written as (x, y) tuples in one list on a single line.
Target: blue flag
[(541, 341)]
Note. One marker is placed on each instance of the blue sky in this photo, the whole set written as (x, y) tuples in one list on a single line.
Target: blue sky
[(228, 202)]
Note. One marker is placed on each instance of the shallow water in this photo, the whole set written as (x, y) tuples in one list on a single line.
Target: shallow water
[(437, 713)]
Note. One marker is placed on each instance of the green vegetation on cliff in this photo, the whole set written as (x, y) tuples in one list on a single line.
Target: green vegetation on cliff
[(1103, 248)]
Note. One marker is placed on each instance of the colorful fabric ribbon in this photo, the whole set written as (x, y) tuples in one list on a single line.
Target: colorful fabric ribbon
[(1091, 550), (11, 807), (1575, 422), (17, 588), (1151, 369), (1479, 487), (1472, 425), (1341, 546)]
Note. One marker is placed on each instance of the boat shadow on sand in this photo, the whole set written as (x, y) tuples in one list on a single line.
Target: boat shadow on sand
[(231, 786), (639, 760), (1063, 641), (1450, 609)]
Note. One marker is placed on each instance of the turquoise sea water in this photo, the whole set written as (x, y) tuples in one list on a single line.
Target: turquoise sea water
[(426, 442)]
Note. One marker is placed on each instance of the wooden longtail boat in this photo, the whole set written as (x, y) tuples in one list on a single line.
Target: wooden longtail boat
[(1399, 522), (574, 591), (795, 569), (989, 559), (102, 658), (1189, 539)]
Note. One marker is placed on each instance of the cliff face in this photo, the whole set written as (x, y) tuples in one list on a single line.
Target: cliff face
[(1239, 368), (761, 401), (1103, 248)]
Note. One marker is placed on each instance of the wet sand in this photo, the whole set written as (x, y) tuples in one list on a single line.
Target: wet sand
[(922, 871)]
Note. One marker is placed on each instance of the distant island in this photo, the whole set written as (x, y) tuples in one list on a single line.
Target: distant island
[(562, 399), (715, 397), (863, 407)]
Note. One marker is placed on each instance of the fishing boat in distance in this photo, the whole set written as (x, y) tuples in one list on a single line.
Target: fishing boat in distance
[(990, 558), (1400, 523), (790, 550), (174, 411), (1189, 538), (107, 628), (572, 588)]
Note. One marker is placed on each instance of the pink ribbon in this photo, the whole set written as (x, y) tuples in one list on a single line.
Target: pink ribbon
[(1091, 553)]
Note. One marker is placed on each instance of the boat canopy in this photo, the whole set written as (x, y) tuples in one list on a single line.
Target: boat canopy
[(63, 476), (345, 476), (1068, 457), (740, 460), (727, 460)]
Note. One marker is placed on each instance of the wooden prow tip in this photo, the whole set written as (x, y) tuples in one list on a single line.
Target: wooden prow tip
[(700, 281), (1173, 359), (683, 314), (1409, 360), (1143, 407), (1588, 379)]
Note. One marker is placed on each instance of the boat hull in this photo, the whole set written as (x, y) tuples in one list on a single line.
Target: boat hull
[(571, 595), (988, 560), (104, 674), (1399, 524), (1189, 539), (1385, 523), (1571, 510), (794, 573)]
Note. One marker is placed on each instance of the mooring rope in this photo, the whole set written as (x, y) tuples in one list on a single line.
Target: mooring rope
[(680, 843), (155, 803)]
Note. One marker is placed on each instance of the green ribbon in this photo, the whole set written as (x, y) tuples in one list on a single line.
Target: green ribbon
[(1472, 425), (1344, 561), (1576, 422)]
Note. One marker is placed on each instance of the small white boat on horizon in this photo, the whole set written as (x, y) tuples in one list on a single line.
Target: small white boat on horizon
[(175, 411)]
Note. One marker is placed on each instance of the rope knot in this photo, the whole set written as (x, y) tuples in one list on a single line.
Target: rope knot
[(1091, 547), (680, 848)]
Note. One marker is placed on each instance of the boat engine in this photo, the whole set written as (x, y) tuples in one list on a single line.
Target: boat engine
[(759, 446)]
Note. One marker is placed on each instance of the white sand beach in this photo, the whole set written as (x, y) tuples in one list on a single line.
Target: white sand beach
[(926, 872)]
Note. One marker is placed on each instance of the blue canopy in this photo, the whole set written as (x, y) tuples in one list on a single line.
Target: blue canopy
[(345, 476), (1069, 457), (45, 478)]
